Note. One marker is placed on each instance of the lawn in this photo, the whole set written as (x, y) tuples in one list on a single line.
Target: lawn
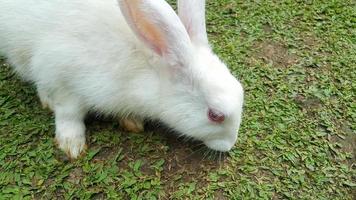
[(297, 62)]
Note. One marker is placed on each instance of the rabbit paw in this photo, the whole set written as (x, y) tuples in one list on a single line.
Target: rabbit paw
[(132, 125), (72, 146), (70, 137)]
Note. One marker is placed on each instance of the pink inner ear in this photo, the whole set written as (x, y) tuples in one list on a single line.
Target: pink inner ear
[(154, 47), (145, 29)]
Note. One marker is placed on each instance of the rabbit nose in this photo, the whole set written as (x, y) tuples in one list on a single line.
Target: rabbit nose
[(216, 116)]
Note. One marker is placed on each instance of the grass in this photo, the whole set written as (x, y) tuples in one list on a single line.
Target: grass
[(296, 60)]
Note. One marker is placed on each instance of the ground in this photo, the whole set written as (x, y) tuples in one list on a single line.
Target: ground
[(296, 60)]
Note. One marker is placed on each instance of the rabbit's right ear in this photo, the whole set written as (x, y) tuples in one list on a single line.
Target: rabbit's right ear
[(192, 14), (157, 25)]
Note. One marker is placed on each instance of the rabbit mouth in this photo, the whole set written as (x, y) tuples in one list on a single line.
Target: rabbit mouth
[(219, 145)]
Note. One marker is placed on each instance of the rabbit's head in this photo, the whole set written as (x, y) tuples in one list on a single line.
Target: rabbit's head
[(198, 96)]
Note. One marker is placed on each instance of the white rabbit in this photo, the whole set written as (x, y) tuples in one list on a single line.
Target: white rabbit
[(135, 59)]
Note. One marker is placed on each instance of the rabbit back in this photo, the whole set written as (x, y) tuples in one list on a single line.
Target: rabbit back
[(88, 29), (83, 48)]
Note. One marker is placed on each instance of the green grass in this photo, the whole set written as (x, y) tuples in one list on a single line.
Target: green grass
[(296, 60)]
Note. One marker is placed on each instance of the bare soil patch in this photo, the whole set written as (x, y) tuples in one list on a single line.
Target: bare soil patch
[(274, 53)]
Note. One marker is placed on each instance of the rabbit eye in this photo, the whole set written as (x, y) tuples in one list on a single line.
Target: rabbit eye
[(215, 116)]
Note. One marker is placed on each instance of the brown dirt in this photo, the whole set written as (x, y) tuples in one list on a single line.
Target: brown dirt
[(347, 142), (75, 175), (274, 53), (308, 103), (267, 29)]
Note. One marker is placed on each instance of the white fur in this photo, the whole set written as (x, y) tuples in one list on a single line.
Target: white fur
[(85, 55), (192, 15)]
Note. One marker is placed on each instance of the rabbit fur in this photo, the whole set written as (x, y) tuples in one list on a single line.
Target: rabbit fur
[(129, 58)]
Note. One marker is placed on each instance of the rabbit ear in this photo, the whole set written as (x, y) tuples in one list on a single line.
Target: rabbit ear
[(157, 25), (192, 14)]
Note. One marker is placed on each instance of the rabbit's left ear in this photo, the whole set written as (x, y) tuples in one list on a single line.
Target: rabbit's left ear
[(192, 14), (159, 28)]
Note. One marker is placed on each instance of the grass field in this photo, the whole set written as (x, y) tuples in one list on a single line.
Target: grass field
[(297, 62)]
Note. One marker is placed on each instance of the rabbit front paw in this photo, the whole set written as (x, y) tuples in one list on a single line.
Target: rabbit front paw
[(72, 146), (70, 137)]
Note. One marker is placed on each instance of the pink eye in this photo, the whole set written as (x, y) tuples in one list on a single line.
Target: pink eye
[(216, 116)]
